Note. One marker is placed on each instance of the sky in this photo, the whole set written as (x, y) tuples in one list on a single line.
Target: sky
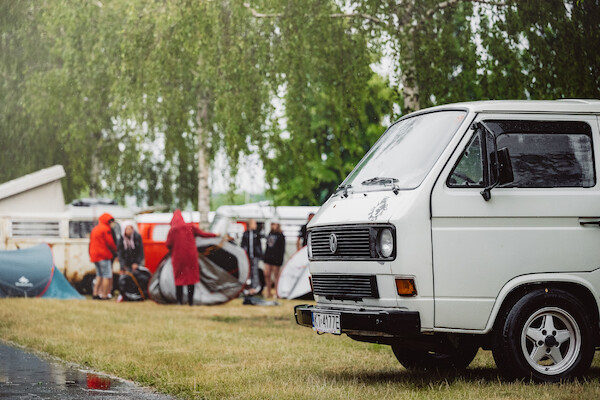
[(250, 179)]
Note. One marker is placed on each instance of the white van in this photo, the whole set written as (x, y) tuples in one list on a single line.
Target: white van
[(465, 226)]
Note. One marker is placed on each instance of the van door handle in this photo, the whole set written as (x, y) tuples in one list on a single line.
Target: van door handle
[(589, 221)]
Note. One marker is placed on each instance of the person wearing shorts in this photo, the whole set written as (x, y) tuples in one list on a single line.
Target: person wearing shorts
[(102, 252), (104, 269)]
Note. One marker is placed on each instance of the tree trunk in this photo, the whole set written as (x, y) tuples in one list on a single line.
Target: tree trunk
[(94, 170), (203, 164), (410, 87)]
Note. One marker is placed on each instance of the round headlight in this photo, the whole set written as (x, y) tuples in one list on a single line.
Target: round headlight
[(386, 243)]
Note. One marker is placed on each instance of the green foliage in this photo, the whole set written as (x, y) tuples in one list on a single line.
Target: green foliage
[(447, 62), (139, 88), (333, 103), (194, 71), (61, 108), (561, 41), (308, 165)]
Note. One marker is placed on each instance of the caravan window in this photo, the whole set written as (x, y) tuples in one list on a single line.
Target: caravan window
[(81, 229), (35, 229), (160, 232)]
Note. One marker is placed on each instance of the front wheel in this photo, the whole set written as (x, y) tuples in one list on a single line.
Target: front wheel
[(458, 355), (546, 336)]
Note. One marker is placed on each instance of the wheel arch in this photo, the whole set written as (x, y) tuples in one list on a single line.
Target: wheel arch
[(516, 289)]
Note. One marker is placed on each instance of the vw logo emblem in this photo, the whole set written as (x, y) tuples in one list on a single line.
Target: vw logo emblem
[(333, 243)]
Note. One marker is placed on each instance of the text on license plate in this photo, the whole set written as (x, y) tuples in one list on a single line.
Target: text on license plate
[(328, 323)]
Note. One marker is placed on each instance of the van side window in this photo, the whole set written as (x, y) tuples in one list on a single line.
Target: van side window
[(468, 172), (548, 154), (544, 154)]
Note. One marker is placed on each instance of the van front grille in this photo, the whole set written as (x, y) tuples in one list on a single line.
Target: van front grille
[(345, 287), (353, 242)]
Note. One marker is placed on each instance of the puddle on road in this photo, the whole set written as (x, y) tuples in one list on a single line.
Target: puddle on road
[(24, 376)]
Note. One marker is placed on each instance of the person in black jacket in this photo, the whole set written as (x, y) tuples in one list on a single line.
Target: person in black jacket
[(134, 278), (251, 243), (130, 248), (274, 257)]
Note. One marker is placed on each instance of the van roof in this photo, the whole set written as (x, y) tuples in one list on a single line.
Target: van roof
[(571, 106), (165, 218), (94, 211), (31, 181)]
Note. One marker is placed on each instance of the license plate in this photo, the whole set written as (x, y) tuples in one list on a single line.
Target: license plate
[(326, 323)]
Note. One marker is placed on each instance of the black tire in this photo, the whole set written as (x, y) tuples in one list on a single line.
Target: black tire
[(457, 358), (546, 336)]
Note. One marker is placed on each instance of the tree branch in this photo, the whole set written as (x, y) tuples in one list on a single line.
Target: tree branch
[(491, 3), (261, 15), (361, 15), (337, 15), (450, 3), (405, 21)]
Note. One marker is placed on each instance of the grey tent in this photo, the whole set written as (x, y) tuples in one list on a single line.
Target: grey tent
[(224, 270)]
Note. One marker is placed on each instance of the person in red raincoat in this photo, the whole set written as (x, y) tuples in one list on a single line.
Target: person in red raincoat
[(102, 252), (184, 255)]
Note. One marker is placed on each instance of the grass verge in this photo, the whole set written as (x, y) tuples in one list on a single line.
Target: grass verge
[(235, 351)]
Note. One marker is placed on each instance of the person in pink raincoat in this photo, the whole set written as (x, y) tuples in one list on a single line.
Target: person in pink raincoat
[(181, 242)]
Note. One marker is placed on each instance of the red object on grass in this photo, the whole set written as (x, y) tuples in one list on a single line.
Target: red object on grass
[(98, 382)]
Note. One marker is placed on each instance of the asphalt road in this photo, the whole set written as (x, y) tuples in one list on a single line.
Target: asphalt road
[(24, 375)]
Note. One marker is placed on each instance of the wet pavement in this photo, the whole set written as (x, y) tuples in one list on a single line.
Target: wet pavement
[(24, 375)]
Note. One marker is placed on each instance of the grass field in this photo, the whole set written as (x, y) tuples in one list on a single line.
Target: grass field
[(247, 352)]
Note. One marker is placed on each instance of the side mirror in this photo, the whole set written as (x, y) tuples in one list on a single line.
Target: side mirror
[(502, 172), (503, 167)]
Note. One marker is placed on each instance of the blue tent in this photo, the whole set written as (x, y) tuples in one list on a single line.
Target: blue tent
[(31, 273)]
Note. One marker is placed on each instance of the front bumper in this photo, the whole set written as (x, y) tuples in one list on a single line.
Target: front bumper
[(367, 322)]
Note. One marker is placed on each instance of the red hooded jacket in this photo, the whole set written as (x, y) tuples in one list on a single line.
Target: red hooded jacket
[(184, 254), (102, 244)]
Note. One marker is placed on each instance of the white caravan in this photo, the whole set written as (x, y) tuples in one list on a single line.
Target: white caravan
[(67, 233), (465, 226)]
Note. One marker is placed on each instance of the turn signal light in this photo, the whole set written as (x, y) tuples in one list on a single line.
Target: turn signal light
[(406, 287)]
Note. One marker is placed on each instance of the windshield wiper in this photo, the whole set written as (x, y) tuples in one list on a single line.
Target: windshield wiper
[(344, 188), (378, 179), (382, 180)]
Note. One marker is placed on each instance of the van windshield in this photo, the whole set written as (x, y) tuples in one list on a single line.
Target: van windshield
[(405, 153)]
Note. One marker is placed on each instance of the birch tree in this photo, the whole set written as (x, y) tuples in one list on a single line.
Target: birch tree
[(196, 71)]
